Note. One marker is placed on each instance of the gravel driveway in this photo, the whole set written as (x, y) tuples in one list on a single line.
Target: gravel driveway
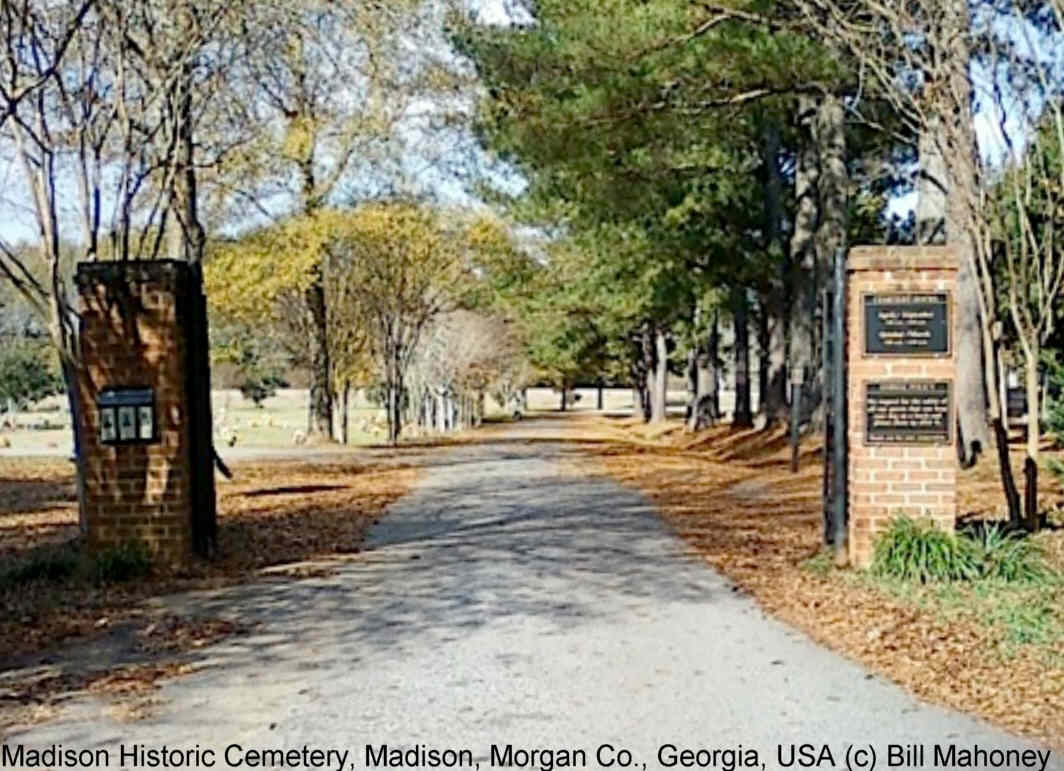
[(507, 601)]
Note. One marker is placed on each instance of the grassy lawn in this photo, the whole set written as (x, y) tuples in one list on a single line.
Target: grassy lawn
[(45, 429), (988, 647)]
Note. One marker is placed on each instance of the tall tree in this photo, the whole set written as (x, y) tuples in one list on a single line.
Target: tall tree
[(326, 85)]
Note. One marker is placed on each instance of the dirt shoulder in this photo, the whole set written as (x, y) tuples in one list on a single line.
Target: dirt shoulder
[(997, 652)]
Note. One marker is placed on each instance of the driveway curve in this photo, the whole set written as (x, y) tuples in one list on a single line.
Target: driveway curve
[(507, 600)]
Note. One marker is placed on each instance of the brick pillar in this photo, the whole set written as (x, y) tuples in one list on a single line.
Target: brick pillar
[(132, 338), (901, 334)]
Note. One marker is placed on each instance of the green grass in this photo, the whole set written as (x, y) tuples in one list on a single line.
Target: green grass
[(1021, 613), (59, 564), (988, 575), (820, 564)]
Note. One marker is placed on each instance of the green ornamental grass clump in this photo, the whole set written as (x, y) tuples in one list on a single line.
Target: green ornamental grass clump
[(123, 563), (917, 551)]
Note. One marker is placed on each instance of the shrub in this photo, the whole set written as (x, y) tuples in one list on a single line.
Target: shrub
[(258, 387), (26, 375), (920, 552), (122, 563)]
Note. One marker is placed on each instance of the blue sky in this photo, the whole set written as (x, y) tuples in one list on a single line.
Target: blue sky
[(446, 161), (442, 161)]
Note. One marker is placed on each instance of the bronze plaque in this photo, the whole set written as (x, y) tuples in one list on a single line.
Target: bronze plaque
[(908, 412), (907, 324)]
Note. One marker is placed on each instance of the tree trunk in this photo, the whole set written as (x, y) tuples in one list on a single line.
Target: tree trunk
[(763, 366), (961, 154), (804, 329), (187, 237), (711, 388), (776, 296), (834, 179), (74, 401), (706, 408), (971, 382), (1034, 433), (692, 383), (931, 187), (772, 360), (659, 395), (441, 411), (320, 419), (393, 414), (565, 396), (743, 416), (345, 399), (398, 399), (647, 368), (833, 183), (599, 400)]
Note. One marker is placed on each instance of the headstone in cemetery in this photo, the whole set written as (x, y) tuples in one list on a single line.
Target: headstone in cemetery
[(901, 375), (145, 408)]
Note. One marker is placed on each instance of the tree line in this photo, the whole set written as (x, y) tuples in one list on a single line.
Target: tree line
[(267, 141), (704, 164), (692, 172)]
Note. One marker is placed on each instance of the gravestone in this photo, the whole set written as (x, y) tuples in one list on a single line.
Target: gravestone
[(901, 382), (144, 394)]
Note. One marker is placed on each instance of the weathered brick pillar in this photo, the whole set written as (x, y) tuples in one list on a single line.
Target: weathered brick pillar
[(901, 372), (135, 406)]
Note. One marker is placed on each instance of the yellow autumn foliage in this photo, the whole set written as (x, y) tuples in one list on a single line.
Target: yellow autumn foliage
[(244, 278), (393, 248)]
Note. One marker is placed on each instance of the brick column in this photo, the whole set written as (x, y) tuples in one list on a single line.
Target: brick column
[(904, 463), (131, 338)]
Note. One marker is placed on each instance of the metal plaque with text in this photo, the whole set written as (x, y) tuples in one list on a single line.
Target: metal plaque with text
[(907, 324), (908, 412)]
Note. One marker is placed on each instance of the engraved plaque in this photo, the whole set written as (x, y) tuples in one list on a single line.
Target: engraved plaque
[(908, 412), (910, 324)]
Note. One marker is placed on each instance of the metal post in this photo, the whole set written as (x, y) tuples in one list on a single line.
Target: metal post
[(825, 360), (796, 416), (838, 397)]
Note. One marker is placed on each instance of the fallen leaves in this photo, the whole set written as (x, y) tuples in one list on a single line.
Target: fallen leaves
[(272, 514), (30, 695), (280, 519)]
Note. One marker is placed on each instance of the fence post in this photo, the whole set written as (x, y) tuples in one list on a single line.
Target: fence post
[(826, 358)]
